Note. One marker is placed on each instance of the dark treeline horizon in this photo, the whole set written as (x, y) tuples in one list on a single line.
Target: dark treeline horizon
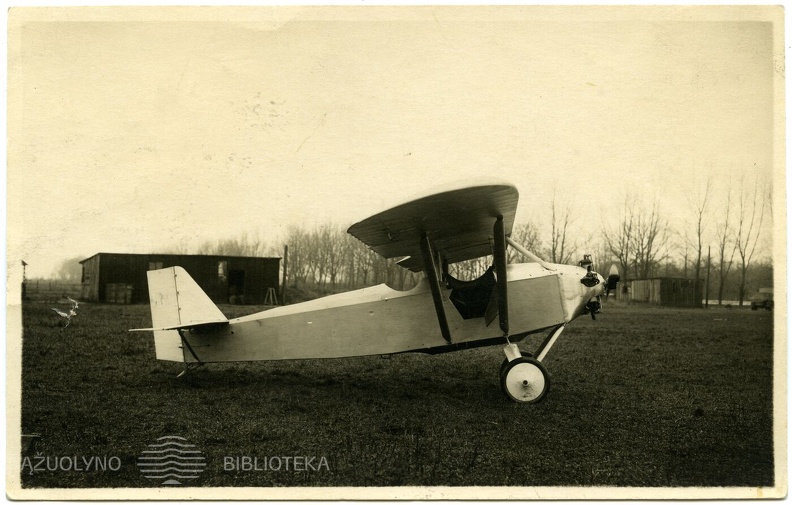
[(325, 259)]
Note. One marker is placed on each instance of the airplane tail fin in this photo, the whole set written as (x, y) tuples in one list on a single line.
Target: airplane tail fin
[(177, 302)]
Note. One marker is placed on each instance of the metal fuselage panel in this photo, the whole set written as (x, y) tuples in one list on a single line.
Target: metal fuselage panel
[(380, 320)]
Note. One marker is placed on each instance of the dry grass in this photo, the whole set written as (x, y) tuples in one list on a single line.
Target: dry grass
[(642, 397)]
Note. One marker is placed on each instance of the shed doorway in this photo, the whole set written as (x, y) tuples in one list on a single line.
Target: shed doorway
[(236, 286)]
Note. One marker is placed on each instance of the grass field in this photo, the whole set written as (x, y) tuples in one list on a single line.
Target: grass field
[(641, 397)]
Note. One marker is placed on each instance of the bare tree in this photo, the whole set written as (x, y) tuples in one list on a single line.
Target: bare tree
[(560, 220), (726, 244), (527, 235), (699, 204), (471, 269), (751, 205), (603, 258), (619, 238), (639, 240), (685, 261), (243, 245), (650, 240), (364, 262), (299, 246), (332, 241)]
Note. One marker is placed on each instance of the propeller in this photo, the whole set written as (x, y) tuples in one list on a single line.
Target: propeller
[(612, 281), (591, 279)]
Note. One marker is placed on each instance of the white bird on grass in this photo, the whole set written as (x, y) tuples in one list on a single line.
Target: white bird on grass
[(68, 315)]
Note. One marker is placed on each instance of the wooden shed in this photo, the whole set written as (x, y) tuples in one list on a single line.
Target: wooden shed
[(667, 291), (121, 278)]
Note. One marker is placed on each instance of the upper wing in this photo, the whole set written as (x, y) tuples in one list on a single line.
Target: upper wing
[(459, 224)]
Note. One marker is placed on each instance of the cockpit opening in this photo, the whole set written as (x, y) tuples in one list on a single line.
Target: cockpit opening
[(471, 298)]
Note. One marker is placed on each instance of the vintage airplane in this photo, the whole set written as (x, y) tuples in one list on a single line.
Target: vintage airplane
[(440, 314)]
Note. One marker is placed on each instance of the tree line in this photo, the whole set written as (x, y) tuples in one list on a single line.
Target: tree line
[(721, 232), (726, 224), (731, 220)]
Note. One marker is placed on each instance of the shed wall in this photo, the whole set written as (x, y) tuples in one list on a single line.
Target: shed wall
[(121, 278), (90, 279), (667, 291)]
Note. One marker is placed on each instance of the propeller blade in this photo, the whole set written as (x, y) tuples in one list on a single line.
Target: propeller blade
[(612, 281)]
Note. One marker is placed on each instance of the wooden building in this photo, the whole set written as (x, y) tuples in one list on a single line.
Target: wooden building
[(121, 278), (667, 291)]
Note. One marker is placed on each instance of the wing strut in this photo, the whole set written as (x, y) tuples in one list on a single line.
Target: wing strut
[(499, 255), (434, 283)]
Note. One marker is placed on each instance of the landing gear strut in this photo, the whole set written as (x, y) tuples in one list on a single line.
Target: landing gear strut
[(189, 367)]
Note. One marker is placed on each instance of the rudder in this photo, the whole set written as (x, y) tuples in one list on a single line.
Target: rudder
[(177, 302)]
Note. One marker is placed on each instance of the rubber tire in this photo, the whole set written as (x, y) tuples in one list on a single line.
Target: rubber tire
[(522, 361), (524, 354)]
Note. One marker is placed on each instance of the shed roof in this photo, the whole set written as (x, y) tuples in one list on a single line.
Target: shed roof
[(161, 255)]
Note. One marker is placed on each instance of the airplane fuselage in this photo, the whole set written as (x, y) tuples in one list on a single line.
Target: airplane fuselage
[(381, 320)]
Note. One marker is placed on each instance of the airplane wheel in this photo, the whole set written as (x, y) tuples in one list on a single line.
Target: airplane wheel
[(525, 354), (525, 380)]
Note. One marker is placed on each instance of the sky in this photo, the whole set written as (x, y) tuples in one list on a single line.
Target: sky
[(139, 130)]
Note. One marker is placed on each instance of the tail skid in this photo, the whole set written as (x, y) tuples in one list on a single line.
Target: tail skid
[(177, 303)]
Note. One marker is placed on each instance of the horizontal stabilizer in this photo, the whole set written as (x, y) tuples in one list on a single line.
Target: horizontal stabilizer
[(184, 327)]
